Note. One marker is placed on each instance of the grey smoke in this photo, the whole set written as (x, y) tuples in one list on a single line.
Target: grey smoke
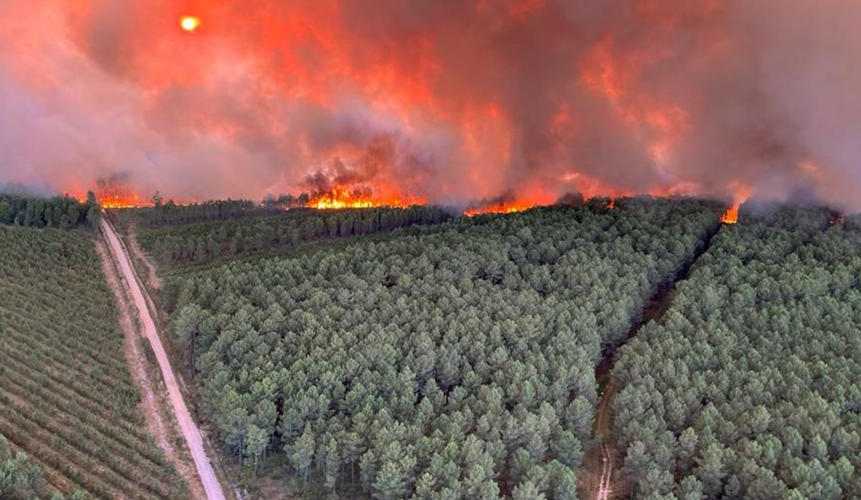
[(766, 86)]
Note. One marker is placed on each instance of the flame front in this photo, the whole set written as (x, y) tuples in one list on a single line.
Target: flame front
[(120, 202), (500, 208), (338, 197), (741, 193), (449, 102), (115, 200), (730, 215)]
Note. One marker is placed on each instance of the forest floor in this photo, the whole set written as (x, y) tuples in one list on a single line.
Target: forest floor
[(601, 476), (190, 432), (158, 420)]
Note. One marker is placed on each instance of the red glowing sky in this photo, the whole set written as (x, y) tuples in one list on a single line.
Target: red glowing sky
[(445, 101)]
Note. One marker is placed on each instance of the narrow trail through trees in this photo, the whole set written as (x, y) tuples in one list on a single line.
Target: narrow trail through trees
[(153, 280), (611, 483), (189, 429)]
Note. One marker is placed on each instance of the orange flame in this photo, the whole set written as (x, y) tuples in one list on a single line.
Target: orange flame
[(506, 207), (339, 197), (120, 200), (730, 215), (742, 193), (112, 198)]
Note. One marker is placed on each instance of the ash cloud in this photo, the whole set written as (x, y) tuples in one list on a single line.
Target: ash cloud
[(451, 101)]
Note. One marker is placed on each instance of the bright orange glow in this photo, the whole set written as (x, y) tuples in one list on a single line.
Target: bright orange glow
[(117, 200), (742, 193), (344, 198), (189, 23), (603, 104), (611, 204), (503, 207), (730, 216)]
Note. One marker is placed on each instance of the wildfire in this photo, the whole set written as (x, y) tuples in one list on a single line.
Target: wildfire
[(120, 200), (337, 198), (116, 200), (500, 208), (742, 192), (730, 215)]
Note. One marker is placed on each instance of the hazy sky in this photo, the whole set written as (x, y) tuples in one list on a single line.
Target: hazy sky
[(444, 100)]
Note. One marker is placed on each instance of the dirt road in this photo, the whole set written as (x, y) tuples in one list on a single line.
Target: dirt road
[(604, 488), (189, 430), (604, 431), (612, 484)]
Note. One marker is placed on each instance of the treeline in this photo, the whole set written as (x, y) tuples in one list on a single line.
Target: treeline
[(457, 363), (193, 243), (748, 386), (61, 212), (170, 213)]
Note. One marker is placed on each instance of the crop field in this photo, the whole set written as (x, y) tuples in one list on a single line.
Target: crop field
[(748, 387), (453, 362), (67, 397)]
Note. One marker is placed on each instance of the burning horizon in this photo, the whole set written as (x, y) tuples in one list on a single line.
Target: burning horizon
[(449, 102)]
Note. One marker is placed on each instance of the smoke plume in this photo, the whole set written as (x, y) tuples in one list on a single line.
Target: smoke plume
[(444, 101)]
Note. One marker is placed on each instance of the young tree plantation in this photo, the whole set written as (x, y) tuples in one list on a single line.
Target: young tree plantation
[(68, 406)]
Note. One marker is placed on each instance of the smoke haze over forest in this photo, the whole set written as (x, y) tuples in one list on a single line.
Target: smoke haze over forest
[(441, 101)]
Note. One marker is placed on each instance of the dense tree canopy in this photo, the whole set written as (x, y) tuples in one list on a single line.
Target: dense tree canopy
[(170, 213), (58, 212), (749, 386), (450, 363), (202, 241)]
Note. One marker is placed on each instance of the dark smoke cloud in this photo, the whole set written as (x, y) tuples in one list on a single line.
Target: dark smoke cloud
[(450, 100)]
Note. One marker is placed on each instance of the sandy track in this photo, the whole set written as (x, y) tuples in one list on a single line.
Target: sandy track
[(187, 426), (603, 429), (604, 489), (611, 481), (159, 422)]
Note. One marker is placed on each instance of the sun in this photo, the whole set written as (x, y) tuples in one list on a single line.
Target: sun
[(189, 23)]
